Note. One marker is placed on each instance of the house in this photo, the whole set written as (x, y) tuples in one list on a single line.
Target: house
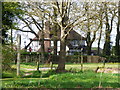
[(74, 41)]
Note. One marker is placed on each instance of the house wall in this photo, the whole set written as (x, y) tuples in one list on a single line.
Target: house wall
[(77, 42), (82, 42), (47, 45), (58, 46)]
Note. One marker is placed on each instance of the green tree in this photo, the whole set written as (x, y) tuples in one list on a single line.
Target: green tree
[(9, 21), (117, 45), (9, 12), (32, 10), (92, 25), (109, 9)]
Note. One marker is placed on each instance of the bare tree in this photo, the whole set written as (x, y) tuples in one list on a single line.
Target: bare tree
[(66, 22), (101, 19), (37, 19), (66, 15), (109, 9), (91, 25)]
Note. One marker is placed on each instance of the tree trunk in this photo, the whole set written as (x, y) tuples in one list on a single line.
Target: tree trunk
[(98, 52), (55, 47), (89, 49), (61, 63), (42, 50), (106, 50), (88, 39), (18, 54), (88, 43), (63, 24), (55, 33), (38, 63), (101, 25), (41, 55), (107, 45), (117, 46), (42, 46)]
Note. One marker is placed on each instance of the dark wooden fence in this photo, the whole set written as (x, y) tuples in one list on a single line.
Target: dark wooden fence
[(69, 59)]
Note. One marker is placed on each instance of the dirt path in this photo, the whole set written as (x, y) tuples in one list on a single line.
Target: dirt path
[(41, 69), (109, 70)]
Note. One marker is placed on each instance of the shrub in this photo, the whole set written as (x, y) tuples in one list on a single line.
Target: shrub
[(75, 58), (112, 59), (8, 55), (32, 56)]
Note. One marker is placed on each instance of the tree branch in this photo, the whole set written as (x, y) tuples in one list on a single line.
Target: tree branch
[(22, 30), (28, 26)]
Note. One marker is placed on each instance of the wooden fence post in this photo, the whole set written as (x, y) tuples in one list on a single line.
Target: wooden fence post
[(0, 44), (18, 53), (81, 60)]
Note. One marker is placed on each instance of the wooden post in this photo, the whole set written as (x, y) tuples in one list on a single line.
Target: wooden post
[(18, 53), (38, 63), (27, 58), (1, 44), (81, 60), (11, 38), (0, 24)]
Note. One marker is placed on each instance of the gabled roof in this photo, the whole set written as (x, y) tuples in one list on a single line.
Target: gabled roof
[(73, 35)]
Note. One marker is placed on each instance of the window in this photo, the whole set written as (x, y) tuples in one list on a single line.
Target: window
[(75, 42)]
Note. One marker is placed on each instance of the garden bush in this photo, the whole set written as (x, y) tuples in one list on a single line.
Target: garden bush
[(32, 56), (8, 56), (112, 59), (75, 58)]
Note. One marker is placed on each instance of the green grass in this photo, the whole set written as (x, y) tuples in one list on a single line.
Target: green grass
[(88, 79), (23, 66), (11, 74), (51, 79), (8, 74)]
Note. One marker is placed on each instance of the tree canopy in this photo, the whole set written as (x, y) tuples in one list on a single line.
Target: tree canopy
[(9, 19)]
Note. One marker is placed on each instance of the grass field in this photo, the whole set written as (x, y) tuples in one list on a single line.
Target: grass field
[(49, 79)]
